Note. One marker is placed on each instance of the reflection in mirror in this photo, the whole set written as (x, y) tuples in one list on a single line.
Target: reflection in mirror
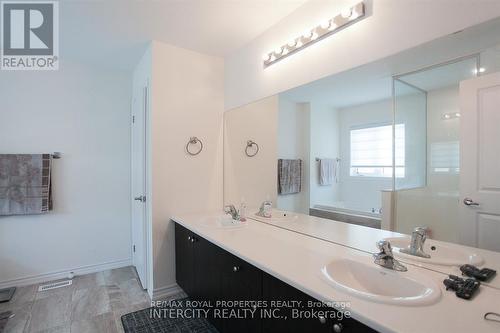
[(434, 195), (371, 154)]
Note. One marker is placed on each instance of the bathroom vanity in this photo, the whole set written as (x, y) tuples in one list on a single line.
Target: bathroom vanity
[(259, 261), (205, 271)]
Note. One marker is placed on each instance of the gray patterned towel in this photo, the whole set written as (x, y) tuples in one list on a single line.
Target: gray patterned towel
[(25, 184), (289, 176)]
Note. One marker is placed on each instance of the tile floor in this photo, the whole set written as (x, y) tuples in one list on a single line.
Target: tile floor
[(93, 303)]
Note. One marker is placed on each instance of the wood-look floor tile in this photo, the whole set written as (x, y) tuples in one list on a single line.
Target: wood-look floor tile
[(22, 298), (58, 329), (102, 323), (116, 276), (18, 323), (88, 281), (50, 312), (88, 303)]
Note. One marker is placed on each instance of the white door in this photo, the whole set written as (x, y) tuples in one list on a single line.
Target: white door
[(480, 162), (139, 229)]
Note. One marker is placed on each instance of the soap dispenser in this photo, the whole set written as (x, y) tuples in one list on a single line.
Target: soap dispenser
[(243, 207), (268, 207)]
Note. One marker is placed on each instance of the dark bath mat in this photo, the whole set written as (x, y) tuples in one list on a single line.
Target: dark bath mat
[(144, 321)]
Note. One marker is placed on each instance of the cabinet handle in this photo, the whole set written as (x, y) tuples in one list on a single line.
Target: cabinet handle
[(236, 269), (337, 328), (322, 319)]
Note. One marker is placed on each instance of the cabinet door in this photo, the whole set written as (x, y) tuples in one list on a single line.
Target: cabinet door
[(207, 276), (274, 290), (241, 281), (184, 259)]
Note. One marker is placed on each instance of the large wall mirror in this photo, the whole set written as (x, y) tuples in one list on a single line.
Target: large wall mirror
[(379, 147)]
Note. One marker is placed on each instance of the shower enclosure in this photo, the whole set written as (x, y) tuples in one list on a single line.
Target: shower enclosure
[(426, 146)]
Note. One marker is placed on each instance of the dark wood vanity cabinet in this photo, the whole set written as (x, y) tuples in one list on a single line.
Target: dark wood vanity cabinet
[(207, 272)]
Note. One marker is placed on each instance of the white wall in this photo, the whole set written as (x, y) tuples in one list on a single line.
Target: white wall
[(364, 192), (437, 204), (251, 178), (294, 143), (392, 26), (187, 100), (361, 192), (324, 144), (83, 112)]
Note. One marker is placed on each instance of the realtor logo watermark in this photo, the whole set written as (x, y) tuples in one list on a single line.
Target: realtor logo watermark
[(29, 35)]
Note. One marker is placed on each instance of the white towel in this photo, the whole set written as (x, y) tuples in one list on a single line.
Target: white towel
[(326, 171)]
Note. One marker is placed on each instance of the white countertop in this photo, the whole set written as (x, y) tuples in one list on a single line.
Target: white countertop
[(365, 239), (297, 260)]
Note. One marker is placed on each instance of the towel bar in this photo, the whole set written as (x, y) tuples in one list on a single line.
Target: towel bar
[(319, 159)]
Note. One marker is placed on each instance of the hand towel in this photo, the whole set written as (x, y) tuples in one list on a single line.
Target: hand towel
[(326, 171), (25, 184), (289, 176)]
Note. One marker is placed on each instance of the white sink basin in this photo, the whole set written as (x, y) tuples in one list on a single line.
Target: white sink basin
[(222, 222), (381, 285), (278, 216), (441, 254)]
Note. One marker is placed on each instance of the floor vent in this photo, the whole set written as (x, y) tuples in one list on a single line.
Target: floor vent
[(55, 285)]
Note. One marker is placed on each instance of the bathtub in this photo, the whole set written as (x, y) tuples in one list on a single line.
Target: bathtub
[(343, 212)]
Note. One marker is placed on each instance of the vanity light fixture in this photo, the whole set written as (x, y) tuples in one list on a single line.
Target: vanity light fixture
[(481, 70), (323, 30), (451, 115)]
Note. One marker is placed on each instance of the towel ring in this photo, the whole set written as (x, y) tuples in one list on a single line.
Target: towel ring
[(250, 144), (192, 141)]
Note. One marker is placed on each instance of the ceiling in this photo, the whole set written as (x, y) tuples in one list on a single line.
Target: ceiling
[(373, 82), (116, 32)]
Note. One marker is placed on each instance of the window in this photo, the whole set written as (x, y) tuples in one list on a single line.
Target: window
[(371, 151)]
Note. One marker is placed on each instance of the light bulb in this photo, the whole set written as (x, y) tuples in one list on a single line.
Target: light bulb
[(346, 13), (266, 57), (458, 115), (333, 26), (314, 35), (308, 34), (325, 24), (292, 43), (447, 116), (279, 50), (354, 15), (481, 70)]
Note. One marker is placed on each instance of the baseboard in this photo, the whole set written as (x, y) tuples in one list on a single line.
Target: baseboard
[(28, 280), (164, 292)]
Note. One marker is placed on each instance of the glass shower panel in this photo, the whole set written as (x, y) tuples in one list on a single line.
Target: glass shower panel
[(410, 119), (427, 102)]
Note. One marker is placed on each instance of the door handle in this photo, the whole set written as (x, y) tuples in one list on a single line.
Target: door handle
[(470, 202), (141, 198)]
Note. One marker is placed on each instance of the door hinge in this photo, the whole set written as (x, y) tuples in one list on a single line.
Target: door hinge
[(133, 119), (133, 248)]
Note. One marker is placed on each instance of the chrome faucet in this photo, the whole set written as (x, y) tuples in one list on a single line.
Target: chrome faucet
[(385, 258), (231, 210), (418, 237)]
